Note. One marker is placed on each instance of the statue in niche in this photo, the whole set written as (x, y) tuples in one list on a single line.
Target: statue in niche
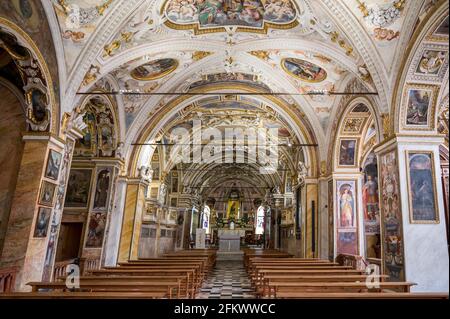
[(302, 172), (106, 136), (120, 150), (38, 112), (145, 173), (162, 194)]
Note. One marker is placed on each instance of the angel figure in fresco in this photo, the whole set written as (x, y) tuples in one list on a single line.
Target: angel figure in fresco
[(208, 10), (188, 10), (253, 11), (346, 203)]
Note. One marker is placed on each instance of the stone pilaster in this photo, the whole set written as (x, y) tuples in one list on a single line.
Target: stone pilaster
[(111, 250), (413, 250), (132, 220), (23, 249)]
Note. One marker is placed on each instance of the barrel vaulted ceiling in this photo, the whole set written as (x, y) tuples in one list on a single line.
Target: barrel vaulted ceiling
[(289, 46)]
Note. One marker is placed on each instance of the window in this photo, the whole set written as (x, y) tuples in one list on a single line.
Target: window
[(259, 230), (205, 219)]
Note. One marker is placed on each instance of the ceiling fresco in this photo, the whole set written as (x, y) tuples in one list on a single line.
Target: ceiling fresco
[(216, 15), (78, 20), (154, 70), (308, 50)]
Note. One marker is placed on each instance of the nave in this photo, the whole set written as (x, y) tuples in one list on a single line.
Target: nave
[(196, 274), (196, 148)]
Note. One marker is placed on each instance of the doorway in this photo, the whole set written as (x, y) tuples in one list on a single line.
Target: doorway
[(69, 241)]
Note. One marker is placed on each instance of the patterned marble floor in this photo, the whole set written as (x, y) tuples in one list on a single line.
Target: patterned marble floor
[(228, 280)]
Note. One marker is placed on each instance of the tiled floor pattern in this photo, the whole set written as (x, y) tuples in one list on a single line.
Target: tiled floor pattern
[(228, 280)]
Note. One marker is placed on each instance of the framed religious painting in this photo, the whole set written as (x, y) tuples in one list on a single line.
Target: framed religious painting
[(96, 230), (78, 188), (47, 194), (42, 222), (53, 165), (419, 107), (423, 206), (102, 189), (347, 152), (347, 217)]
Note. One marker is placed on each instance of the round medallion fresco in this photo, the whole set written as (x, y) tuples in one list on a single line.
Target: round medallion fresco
[(304, 70), (154, 70)]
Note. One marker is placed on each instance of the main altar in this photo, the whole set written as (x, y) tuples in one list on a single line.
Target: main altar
[(231, 230)]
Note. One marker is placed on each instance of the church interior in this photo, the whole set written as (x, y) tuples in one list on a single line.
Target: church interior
[(218, 149)]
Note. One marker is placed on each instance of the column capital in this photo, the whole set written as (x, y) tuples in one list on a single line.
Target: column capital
[(417, 139)]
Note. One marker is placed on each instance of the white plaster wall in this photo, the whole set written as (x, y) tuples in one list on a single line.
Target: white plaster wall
[(113, 241), (426, 253)]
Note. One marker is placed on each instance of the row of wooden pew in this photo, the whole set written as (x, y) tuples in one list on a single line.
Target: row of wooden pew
[(177, 275), (275, 274)]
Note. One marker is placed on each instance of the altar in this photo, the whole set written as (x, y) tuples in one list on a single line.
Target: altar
[(230, 240), (230, 244)]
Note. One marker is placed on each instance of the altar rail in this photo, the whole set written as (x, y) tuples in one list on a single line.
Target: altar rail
[(86, 265), (356, 262), (7, 279)]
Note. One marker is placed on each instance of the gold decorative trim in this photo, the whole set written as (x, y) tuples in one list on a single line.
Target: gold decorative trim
[(433, 172), (199, 31), (44, 68)]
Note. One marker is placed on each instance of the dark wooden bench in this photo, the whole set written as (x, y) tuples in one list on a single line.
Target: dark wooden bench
[(279, 287)]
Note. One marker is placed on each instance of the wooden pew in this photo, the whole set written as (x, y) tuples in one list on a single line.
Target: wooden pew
[(200, 265), (263, 254), (360, 295), (7, 279), (258, 269), (188, 273), (168, 287), (258, 279), (254, 267), (184, 288), (197, 275), (275, 288), (210, 254), (85, 295), (268, 279)]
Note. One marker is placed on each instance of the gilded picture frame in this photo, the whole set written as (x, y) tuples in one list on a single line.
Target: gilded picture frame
[(47, 194), (339, 159), (407, 117), (411, 188)]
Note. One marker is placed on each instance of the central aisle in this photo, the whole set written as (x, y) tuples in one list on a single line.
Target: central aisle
[(228, 280)]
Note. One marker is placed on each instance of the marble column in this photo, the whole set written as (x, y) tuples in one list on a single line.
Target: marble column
[(22, 249), (323, 220), (278, 204), (184, 203), (423, 256), (311, 219), (132, 219), (111, 249)]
